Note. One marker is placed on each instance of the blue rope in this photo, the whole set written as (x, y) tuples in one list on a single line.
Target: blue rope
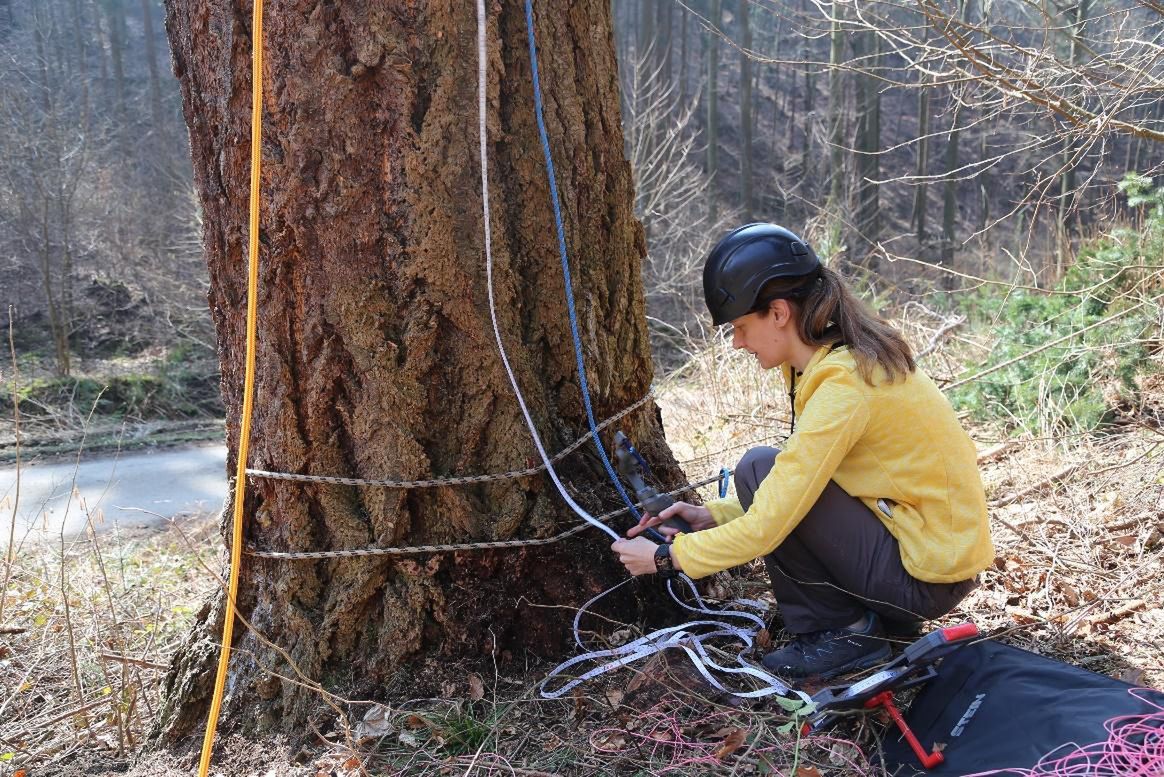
[(725, 479), (537, 89)]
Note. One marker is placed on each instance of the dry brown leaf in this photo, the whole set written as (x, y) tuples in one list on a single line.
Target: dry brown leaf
[(843, 753), (1019, 615), (763, 640), (731, 743), (808, 771), (352, 763), (614, 740), (614, 697), (476, 687), (415, 722), (1127, 540), (581, 702), (1070, 595)]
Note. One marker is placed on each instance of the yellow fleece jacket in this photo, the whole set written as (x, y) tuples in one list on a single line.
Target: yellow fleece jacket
[(899, 442)]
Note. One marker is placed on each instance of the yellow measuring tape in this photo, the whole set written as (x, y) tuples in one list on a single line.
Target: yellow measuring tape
[(240, 477)]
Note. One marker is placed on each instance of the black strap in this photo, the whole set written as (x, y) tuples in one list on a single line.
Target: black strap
[(792, 401)]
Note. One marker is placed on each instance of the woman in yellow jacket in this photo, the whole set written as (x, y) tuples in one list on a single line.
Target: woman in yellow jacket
[(873, 513)]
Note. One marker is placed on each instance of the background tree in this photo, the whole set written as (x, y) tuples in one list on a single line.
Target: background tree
[(376, 356)]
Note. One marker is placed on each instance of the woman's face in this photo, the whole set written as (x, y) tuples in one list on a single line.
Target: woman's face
[(769, 338)]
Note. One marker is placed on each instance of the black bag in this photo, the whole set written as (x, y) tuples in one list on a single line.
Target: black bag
[(999, 707)]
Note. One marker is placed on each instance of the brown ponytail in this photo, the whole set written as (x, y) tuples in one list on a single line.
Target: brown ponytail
[(828, 313)]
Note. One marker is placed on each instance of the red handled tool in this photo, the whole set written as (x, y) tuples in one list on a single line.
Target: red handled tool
[(885, 699), (914, 666)]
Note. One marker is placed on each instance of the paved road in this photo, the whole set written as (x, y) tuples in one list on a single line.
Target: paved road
[(168, 482)]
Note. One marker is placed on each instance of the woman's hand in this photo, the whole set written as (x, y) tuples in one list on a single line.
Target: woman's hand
[(699, 518), (637, 555)]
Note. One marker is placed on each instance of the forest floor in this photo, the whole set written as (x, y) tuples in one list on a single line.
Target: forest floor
[(1078, 526)]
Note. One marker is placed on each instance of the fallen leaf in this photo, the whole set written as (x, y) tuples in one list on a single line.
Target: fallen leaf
[(620, 637), (377, 722), (613, 741), (843, 754), (1127, 540), (764, 640), (808, 771), (1019, 615), (415, 721), (352, 763), (580, 703), (476, 687), (731, 743), (614, 697)]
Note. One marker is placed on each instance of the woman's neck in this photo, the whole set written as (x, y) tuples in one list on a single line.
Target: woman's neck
[(801, 355)]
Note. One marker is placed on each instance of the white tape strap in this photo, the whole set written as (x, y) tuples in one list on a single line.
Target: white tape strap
[(688, 637)]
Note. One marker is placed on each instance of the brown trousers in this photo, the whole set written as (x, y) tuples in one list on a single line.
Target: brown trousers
[(840, 562)]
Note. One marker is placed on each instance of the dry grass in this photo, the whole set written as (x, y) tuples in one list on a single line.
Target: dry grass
[(1078, 526), (86, 633)]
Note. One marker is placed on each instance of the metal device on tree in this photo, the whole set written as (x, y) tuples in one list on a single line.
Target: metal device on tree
[(633, 468)]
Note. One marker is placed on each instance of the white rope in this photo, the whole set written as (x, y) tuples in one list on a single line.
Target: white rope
[(481, 85), (688, 637)]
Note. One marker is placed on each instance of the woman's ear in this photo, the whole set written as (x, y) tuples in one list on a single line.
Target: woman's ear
[(781, 312)]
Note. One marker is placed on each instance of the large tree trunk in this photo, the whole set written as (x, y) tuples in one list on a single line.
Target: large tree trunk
[(376, 358)]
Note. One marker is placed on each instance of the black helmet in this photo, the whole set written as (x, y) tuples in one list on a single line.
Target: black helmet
[(747, 258)]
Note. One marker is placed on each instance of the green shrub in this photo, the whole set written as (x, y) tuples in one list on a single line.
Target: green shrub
[(1079, 384)]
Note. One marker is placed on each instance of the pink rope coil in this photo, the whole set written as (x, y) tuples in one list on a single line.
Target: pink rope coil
[(1134, 748)]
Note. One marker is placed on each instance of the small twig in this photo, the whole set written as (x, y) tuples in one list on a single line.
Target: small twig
[(1118, 613), (12, 630), (1058, 476), (949, 326), (990, 454), (1130, 522), (134, 661), (10, 552), (79, 710)]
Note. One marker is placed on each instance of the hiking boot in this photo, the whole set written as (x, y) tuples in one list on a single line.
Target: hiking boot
[(831, 652)]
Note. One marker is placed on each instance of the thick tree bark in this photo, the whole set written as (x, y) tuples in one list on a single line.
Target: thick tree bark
[(376, 358)]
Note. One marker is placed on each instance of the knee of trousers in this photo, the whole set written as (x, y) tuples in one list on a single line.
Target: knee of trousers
[(756, 458)]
